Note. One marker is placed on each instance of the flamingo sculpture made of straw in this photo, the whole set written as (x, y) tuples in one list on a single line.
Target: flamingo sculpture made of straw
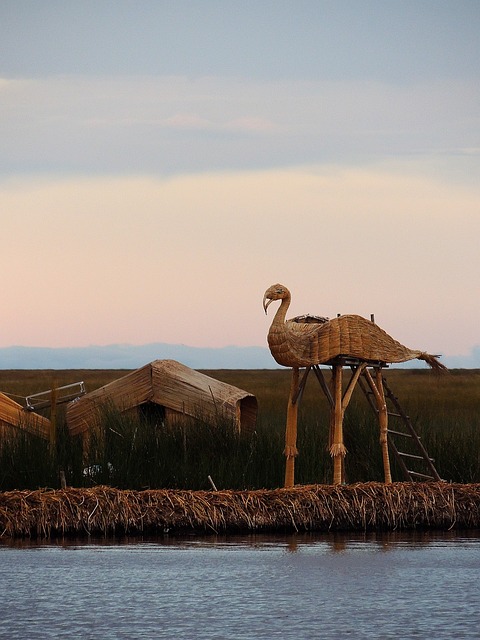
[(310, 340), (307, 341)]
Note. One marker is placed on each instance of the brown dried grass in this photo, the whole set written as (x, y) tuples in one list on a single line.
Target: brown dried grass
[(361, 507)]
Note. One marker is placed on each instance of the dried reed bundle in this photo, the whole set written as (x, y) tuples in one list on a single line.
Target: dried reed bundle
[(361, 507), (304, 341)]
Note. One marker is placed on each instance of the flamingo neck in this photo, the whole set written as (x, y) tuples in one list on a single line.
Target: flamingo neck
[(281, 312)]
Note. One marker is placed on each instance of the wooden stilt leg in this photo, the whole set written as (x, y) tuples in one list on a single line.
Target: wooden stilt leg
[(337, 450), (378, 391), (383, 422), (331, 431), (291, 431)]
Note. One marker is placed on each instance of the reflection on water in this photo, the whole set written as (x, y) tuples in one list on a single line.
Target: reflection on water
[(389, 585)]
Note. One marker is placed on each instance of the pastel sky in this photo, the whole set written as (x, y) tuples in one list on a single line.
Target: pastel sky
[(163, 162)]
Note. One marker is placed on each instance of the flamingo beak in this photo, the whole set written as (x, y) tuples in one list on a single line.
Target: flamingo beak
[(266, 302)]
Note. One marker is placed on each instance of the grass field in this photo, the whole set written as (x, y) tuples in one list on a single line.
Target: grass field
[(135, 454)]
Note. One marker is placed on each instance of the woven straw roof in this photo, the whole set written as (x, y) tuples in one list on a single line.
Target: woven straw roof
[(172, 385)]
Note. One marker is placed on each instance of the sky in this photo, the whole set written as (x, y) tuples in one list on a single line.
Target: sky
[(162, 163)]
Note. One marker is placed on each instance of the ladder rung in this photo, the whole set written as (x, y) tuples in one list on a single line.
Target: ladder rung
[(410, 455), (395, 410), (400, 415), (399, 433), (420, 475)]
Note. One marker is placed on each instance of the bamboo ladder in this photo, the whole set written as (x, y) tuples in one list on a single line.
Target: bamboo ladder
[(369, 377)]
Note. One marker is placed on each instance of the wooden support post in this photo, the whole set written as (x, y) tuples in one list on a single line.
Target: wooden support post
[(378, 391), (351, 385), (291, 431), (301, 387), (329, 391), (383, 422), (337, 450), (331, 432), (338, 405), (325, 388)]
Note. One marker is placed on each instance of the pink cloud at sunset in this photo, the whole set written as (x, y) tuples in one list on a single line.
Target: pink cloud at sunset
[(186, 259)]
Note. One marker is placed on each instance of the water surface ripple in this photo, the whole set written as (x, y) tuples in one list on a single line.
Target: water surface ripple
[(304, 586)]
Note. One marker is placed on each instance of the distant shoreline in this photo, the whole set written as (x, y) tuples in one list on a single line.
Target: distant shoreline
[(124, 356)]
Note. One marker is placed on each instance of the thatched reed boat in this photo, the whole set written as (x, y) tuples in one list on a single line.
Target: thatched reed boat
[(15, 419), (105, 511)]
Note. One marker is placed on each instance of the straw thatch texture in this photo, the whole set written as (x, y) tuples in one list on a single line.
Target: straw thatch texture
[(180, 390), (361, 507), (14, 418), (303, 343)]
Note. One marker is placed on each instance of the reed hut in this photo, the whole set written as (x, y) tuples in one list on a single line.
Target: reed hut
[(173, 391), (15, 419)]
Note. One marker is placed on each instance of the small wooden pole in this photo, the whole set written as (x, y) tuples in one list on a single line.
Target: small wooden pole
[(86, 439), (291, 431), (53, 417)]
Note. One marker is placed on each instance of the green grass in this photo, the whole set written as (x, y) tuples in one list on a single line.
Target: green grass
[(139, 452)]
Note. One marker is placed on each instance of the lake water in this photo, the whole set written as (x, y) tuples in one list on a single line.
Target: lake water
[(421, 585)]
